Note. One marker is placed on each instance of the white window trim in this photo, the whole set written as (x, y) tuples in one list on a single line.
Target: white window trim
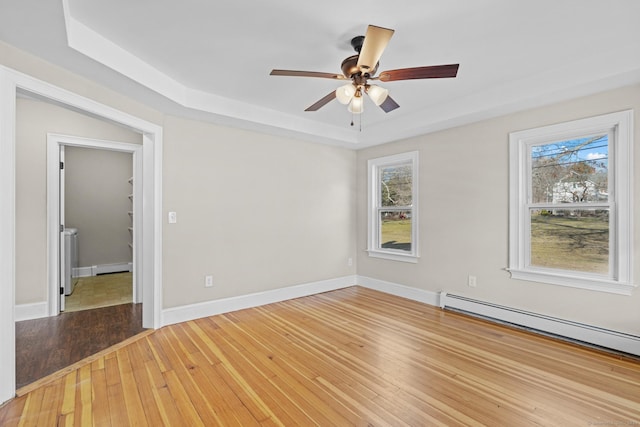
[(621, 156), (373, 241)]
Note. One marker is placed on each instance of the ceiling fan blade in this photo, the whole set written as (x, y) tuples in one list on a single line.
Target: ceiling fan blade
[(375, 41), (389, 105), (322, 102), (294, 73), (432, 72)]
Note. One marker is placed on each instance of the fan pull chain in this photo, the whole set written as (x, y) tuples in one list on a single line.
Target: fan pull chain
[(360, 122)]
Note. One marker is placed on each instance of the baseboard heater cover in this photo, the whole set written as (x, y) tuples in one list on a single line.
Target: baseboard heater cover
[(111, 268), (589, 334)]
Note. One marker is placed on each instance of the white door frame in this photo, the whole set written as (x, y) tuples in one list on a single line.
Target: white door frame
[(11, 83), (60, 208), (55, 143)]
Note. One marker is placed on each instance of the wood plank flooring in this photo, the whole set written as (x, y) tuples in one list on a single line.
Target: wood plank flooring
[(348, 357), (43, 346)]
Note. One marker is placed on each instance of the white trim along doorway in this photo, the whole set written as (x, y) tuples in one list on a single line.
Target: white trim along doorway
[(55, 147), (149, 263)]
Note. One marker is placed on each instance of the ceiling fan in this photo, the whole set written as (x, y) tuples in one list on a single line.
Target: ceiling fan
[(361, 68)]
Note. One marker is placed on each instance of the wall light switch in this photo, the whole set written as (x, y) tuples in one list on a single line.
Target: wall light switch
[(173, 218)]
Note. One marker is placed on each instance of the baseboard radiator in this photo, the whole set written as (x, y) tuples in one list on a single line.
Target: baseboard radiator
[(574, 331), (112, 268), (96, 270)]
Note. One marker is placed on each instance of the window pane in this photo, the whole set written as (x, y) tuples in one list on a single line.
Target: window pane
[(395, 185), (570, 239), (395, 230), (571, 171)]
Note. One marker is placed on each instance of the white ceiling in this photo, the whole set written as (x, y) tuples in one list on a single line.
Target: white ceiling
[(211, 59)]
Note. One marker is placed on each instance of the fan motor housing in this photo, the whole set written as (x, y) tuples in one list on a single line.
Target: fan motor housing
[(350, 67)]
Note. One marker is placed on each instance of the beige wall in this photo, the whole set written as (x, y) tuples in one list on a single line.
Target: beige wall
[(257, 212), (463, 188), (260, 212), (97, 204), (34, 119)]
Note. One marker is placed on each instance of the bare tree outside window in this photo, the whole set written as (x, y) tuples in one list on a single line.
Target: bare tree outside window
[(396, 186), (393, 211), (568, 178), (570, 171)]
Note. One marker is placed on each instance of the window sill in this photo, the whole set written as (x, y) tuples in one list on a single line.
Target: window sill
[(393, 256), (588, 283)]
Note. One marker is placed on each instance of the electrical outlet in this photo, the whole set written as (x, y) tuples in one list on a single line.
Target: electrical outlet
[(208, 281), (350, 262), (472, 281), (173, 218)]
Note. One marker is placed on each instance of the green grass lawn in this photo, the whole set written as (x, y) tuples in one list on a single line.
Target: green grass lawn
[(570, 243), (396, 234), (563, 242)]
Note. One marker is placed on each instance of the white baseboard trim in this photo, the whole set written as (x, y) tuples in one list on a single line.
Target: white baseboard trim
[(36, 310), (420, 295), (94, 270), (185, 313), (546, 324)]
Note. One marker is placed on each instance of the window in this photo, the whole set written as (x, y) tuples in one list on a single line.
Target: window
[(570, 218), (393, 212)]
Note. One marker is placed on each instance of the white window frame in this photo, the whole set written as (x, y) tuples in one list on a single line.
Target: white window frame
[(374, 246), (620, 128)]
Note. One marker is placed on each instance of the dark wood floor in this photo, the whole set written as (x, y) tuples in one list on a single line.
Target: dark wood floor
[(44, 346)]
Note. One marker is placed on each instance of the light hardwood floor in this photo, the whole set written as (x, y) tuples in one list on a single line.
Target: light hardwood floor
[(347, 357)]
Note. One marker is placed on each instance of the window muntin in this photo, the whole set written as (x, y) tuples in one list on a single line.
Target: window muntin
[(570, 203), (392, 207)]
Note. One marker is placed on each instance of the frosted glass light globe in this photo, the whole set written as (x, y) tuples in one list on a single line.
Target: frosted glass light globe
[(345, 93)]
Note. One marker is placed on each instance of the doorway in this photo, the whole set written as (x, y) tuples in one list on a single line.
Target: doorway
[(56, 145), (97, 196), (13, 83)]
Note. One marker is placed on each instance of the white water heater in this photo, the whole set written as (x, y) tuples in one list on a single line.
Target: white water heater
[(70, 260)]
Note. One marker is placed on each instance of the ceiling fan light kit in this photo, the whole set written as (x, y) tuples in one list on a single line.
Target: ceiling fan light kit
[(345, 93), (356, 106), (362, 67), (377, 94)]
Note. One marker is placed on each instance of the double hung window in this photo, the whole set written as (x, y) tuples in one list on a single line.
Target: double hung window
[(393, 215), (570, 203)]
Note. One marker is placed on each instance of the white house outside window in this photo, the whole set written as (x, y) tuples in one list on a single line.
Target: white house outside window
[(570, 203), (393, 215)]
